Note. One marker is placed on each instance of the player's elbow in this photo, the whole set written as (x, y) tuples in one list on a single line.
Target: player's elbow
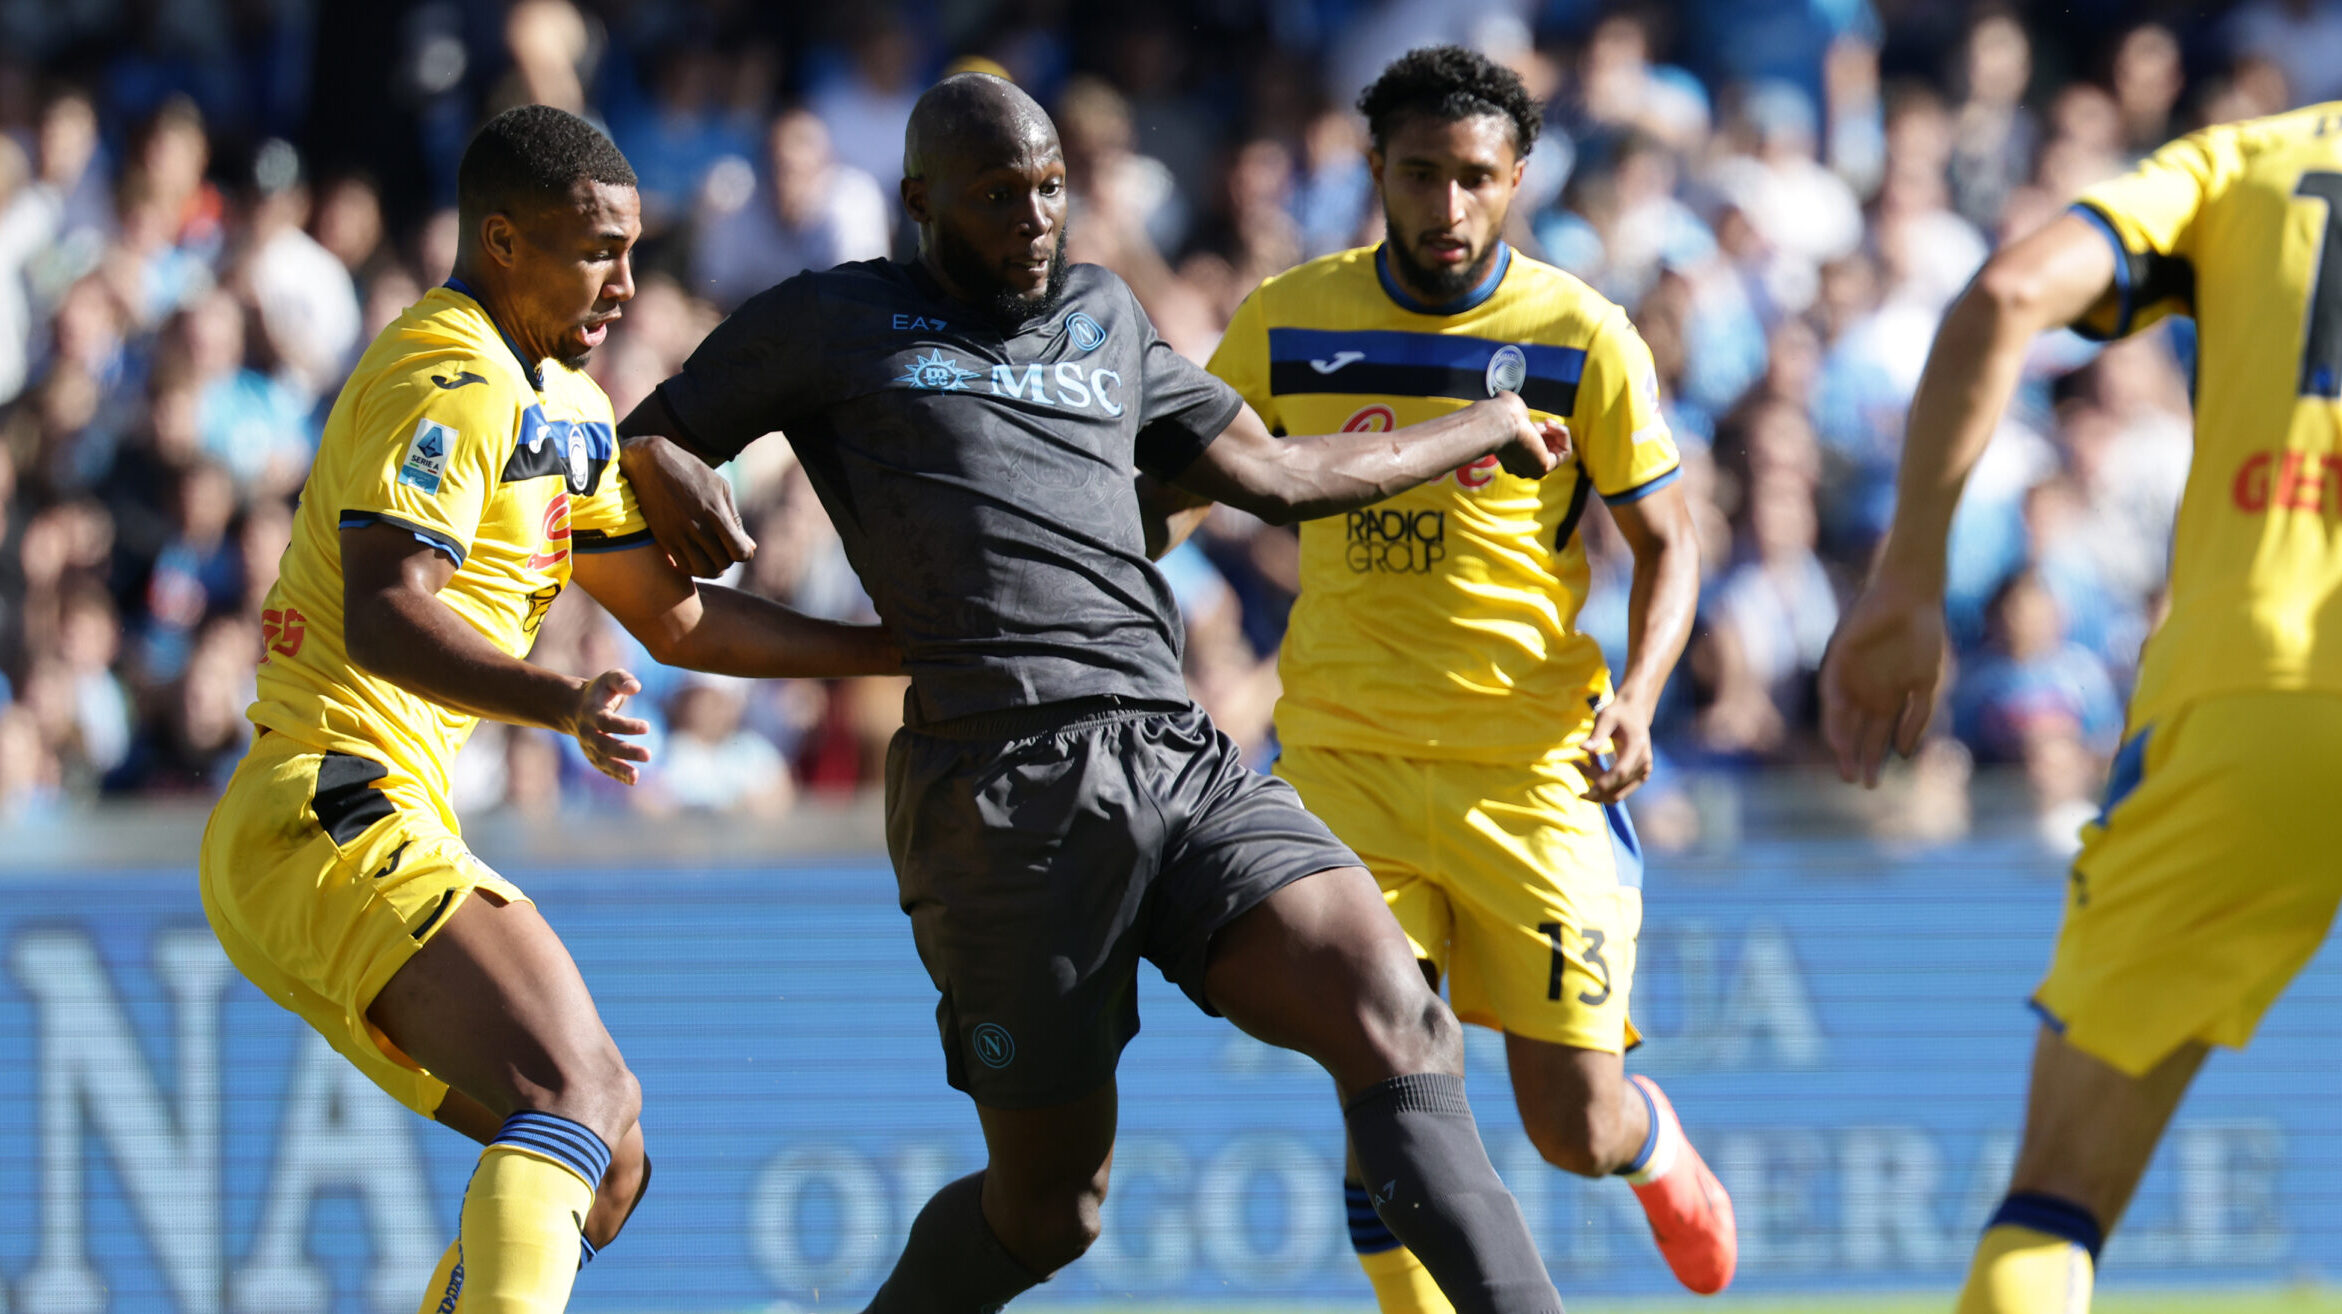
[(668, 643), (2007, 291)]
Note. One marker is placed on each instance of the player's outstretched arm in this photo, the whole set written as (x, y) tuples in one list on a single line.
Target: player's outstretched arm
[(706, 627), (1286, 479), (395, 628), (1879, 677), (1659, 530)]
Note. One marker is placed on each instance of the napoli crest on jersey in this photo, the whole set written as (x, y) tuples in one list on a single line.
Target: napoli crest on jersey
[(1508, 369), (1085, 333)]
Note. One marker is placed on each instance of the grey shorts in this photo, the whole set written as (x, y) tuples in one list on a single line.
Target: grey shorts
[(1038, 865)]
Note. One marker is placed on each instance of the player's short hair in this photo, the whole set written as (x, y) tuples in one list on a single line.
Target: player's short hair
[(1445, 84), (528, 158)]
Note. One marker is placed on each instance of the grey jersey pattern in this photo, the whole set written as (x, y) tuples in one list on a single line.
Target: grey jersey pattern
[(980, 479)]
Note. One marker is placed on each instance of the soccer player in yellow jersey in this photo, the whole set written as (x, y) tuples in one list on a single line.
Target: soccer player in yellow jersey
[(467, 473), (1441, 711), (2207, 879)]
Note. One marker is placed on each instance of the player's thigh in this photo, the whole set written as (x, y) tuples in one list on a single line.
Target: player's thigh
[(1025, 868), (321, 885), (492, 1004), (2207, 884), (1547, 896), (1379, 805)]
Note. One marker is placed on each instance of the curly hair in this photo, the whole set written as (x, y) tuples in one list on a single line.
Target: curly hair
[(1445, 84), (528, 157)]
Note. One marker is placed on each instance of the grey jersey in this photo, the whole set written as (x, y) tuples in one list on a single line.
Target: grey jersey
[(981, 481)]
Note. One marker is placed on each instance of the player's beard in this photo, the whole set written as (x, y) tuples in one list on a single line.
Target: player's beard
[(1444, 284), (1006, 306)]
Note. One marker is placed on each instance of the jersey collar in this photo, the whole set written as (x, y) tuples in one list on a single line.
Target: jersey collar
[(1487, 288), (535, 375)]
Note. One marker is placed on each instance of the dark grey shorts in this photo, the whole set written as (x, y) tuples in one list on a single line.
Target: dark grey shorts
[(1038, 868)]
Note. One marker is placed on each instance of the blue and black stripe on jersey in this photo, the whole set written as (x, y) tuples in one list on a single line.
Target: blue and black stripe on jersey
[(1403, 363), (543, 449)]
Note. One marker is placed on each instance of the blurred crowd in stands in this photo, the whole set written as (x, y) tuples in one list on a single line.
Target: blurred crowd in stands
[(207, 208)]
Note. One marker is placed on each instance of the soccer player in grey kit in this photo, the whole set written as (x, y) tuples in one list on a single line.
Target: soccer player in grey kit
[(1056, 805)]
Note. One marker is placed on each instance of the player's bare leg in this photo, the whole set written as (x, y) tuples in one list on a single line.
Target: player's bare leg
[(1586, 1116), (1321, 967), (2090, 1129), (1033, 1210), (494, 1006)]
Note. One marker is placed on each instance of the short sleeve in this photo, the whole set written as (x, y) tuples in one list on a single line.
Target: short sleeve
[(429, 456), (1620, 435), (1242, 360), (2150, 217), (1184, 407), (756, 372), (607, 519)]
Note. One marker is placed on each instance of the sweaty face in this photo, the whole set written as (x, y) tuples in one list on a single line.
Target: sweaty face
[(1445, 189), (572, 270), (996, 226)]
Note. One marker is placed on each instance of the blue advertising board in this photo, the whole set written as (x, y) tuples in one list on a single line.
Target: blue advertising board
[(1843, 1032)]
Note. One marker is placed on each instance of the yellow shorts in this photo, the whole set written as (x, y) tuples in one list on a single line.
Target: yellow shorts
[(1525, 897), (2206, 883), (322, 874)]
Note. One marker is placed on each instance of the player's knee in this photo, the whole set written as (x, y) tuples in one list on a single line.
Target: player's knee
[(590, 1085), (1573, 1140), (1415, 1032), (1047, 1230)]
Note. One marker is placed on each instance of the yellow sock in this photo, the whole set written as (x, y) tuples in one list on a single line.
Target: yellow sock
[(447, 1282), (2020, 1271), (1401, 1284), (521, 1243)]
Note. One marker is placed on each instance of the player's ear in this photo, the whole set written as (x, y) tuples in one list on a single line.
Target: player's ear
[(915, 199), (1374, 165), (499, 238)]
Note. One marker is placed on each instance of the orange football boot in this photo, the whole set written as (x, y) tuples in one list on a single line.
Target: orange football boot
[(1691, 1216)]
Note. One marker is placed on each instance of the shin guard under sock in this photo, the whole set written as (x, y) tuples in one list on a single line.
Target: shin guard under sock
[(1430, 1181), (524, 1213)]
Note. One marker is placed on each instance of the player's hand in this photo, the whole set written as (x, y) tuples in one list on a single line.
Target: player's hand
[(1536, 447), (596, 724), (1879, 676), (1622, 730), (688, 506)]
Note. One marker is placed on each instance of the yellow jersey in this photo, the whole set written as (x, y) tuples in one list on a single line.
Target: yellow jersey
[(1442, 623), (507, 467), (2240, 225)]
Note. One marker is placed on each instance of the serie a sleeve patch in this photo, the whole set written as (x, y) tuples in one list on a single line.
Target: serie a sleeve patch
[(425, 467)]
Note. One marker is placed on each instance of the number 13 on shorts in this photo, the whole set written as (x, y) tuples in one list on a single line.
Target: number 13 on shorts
[(1590, 952)]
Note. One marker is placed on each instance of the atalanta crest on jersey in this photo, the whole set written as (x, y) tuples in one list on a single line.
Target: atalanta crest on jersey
[(426, 464), (1508, 369), (580, 474)]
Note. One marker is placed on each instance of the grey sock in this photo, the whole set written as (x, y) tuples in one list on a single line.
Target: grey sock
[(952, 1264), (1432, 1185)]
